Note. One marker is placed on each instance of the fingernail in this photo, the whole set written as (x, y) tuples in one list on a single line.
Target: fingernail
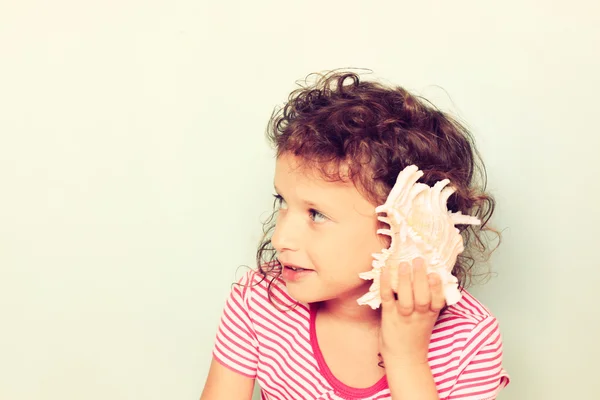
[(433, 279), (404, 268)]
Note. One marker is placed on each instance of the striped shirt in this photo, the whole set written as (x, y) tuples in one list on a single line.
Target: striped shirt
[(277, 346)]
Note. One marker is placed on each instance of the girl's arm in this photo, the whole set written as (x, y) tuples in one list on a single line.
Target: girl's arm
[(406, 325), (235, 354), (411, 382), (223, 383)]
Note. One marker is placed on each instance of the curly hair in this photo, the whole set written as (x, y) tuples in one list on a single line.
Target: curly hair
[(370, 132)]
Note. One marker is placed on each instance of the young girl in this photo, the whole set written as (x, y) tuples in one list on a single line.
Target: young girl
[(294, 325)]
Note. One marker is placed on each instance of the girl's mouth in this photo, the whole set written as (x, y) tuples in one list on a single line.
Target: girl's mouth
[(292, 273)]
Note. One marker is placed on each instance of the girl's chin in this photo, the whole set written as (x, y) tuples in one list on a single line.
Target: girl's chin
[(305, 291)]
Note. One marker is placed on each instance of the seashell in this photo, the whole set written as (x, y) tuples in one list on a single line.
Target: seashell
[(420, 225)]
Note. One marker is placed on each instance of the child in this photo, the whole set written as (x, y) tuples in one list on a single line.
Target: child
[(294, 325)]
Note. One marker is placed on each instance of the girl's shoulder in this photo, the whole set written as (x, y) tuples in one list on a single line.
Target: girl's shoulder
[(265, 290), (468, 319), (466, 350), (468, 308)]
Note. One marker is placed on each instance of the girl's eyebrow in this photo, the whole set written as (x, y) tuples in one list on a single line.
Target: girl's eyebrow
[(309, 204)]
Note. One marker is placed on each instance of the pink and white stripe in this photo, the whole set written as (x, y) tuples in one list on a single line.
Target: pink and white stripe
[(279, 349)]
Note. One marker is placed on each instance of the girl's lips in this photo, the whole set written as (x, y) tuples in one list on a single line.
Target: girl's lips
[(289, 275)]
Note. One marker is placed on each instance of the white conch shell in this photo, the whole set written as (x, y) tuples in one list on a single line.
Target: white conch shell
[(420, 226)]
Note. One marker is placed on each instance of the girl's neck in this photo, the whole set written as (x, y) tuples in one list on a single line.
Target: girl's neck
[(350, 312)]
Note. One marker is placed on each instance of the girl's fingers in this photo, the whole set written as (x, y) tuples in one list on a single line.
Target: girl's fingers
[(385, 289), (422, 294), (437, 292), (405, 303)]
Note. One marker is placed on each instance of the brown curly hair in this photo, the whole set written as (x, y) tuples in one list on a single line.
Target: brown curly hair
[(371, 132)]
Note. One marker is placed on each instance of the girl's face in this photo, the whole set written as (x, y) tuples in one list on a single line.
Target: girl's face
[(326, 228)]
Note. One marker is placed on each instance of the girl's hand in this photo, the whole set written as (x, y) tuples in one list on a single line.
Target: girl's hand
[(407, 321)]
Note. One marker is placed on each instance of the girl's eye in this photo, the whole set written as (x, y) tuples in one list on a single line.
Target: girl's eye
[(316, 216), (280, 202)]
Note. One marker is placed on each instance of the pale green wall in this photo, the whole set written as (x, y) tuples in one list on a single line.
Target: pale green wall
[(134, 173)]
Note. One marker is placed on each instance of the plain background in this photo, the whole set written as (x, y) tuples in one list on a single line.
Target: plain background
[(134, 173)]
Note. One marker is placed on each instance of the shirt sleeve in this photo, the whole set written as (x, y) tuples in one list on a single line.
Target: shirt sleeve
[(481, 376), (236, 346)]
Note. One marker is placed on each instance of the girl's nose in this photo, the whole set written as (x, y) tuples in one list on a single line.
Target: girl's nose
[(285, 236)]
